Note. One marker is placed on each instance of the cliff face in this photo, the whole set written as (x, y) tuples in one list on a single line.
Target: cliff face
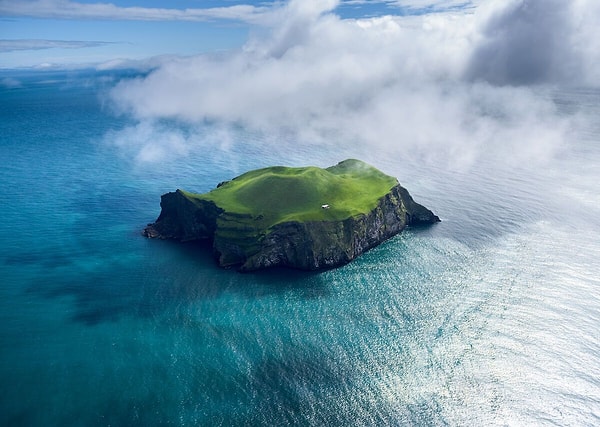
[(184, 219), (307, 245), (325, 244)]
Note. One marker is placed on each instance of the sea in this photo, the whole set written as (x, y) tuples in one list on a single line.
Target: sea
[(489, 318)]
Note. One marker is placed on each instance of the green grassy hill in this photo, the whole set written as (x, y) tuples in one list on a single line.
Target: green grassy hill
[(279, 194), (308, 218)]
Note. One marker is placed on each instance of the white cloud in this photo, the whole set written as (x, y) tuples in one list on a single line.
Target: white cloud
[(524, 41), (10, 82), (146, 64), (28, 44), (419, 5), (150, 142), (586, 41), (435, 4), (411, 86), (66, 9)]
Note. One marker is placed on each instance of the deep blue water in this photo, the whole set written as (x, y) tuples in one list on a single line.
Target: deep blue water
[(491, 317)]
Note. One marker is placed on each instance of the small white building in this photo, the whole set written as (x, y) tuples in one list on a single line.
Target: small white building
[(325, 206)]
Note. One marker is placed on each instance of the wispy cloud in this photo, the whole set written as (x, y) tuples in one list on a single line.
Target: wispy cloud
[(417, 6), (10, 82), (66, 9), (34, 44), (435, 4)]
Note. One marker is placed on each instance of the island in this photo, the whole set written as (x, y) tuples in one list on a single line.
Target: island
[(306, 218)]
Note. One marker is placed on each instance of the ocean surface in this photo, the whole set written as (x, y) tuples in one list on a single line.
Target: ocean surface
[(491, 317)]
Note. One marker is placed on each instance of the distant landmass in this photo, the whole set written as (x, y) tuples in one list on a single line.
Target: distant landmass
[(307, 218)]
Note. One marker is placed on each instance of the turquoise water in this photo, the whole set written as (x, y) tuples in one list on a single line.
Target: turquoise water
[(488, 318)]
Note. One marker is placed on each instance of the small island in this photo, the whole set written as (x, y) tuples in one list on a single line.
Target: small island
[(306, 218)]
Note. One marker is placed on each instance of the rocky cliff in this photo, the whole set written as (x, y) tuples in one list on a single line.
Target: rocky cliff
[(246, 241)]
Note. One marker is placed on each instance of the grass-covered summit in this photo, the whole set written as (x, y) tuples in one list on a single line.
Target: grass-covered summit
[(279, 194), (303, 217)]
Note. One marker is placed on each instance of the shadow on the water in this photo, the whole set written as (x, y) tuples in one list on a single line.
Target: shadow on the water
[(44, 258), (307, 284), (170, 277), (96, 297), (427, 230)]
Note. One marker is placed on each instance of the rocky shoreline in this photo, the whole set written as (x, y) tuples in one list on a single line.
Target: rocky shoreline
[(306, 245)]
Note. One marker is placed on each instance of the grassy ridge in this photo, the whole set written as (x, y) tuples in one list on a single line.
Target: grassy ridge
[(279, 194)]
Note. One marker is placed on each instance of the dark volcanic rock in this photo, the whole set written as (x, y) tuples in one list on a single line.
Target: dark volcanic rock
[(184, 219), (325, 244), (307, 245)]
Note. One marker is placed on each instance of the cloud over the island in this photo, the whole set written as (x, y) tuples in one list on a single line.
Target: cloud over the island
[(446, 86)]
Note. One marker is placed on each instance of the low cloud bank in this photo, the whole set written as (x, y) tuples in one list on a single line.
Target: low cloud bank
[(529, 42), (443, 87)]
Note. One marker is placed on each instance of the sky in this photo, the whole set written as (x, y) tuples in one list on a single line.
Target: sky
[(447, 81), (36, 33)]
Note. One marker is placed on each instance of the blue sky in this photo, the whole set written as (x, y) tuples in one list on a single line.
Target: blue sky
[(67, 32)]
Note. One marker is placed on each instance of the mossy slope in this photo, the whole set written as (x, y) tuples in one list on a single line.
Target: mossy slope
[(280, 194)]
